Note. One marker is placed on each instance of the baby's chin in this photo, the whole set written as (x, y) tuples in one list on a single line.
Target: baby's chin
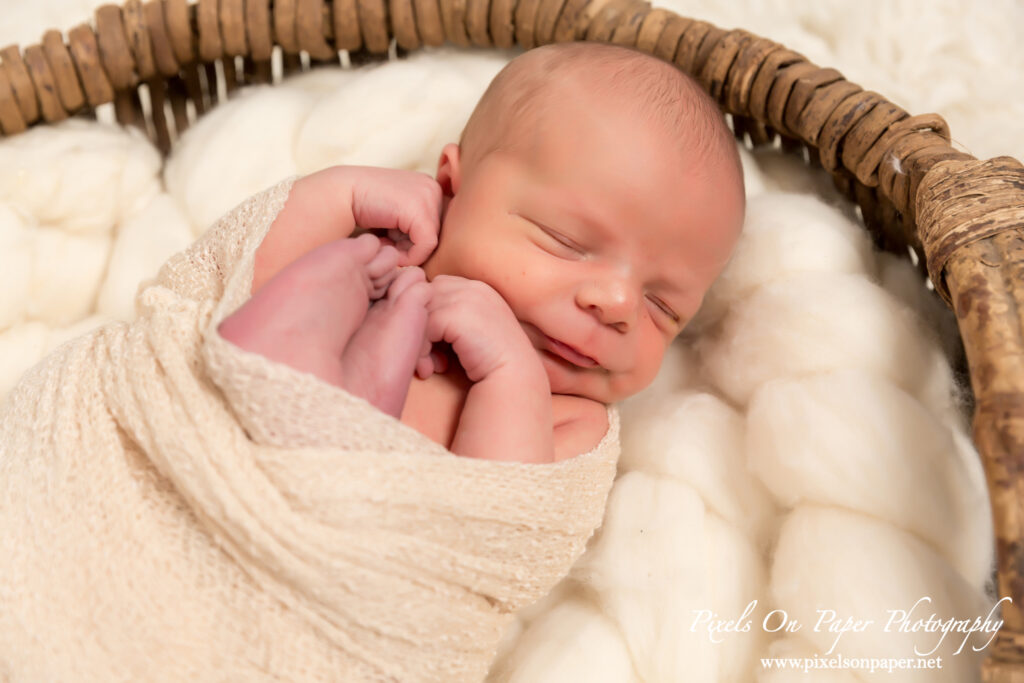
[(571, 380)]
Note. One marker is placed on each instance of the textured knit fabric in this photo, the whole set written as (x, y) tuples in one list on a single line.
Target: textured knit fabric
[(174, 508)]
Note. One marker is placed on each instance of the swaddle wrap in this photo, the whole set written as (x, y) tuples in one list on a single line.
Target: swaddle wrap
[(175, 508)]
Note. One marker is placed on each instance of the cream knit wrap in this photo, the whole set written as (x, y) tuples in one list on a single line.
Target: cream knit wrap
[(174, 508)]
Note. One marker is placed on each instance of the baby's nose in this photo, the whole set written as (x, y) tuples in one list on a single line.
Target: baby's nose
[(613, 301)]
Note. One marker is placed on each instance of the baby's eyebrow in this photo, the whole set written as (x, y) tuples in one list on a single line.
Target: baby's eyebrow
[(674, 279), (574, 207), (583, 216)]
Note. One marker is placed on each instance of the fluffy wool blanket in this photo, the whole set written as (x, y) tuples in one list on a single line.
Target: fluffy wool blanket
[(803, 446), (179, 509)]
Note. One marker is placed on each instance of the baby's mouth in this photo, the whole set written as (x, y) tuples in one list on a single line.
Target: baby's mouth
[(568, 353)]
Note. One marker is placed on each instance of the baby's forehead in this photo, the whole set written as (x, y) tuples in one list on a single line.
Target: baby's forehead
[(660, 206), (648, 91)]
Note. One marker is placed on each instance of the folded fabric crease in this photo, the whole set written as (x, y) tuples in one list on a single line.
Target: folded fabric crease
[(177, 506)]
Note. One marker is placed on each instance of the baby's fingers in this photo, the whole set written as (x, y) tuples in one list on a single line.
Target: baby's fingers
[(418, 245), (424, 367), (399, 239), (412, 250), (423, 223), (431, 362)]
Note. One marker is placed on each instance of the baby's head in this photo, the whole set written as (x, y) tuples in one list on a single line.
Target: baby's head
[(599, 191)]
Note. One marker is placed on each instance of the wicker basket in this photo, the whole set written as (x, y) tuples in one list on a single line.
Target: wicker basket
[(966, 216)]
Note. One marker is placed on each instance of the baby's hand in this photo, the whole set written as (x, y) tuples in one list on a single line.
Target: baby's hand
[(330, 204), (480, 327), (405, 203), (507, 413)]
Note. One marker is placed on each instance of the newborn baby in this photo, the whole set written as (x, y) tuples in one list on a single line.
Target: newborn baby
[(594, 196), (174, 504)]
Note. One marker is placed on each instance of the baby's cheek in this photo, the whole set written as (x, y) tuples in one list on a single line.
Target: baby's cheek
[(645, 367)]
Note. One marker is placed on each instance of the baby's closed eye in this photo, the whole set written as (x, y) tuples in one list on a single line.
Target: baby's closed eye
[(561, 240), (663, 307), (553, 239)]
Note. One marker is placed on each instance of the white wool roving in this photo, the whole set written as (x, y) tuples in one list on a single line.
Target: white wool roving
[(817, 322), (65, 275), (50, 275), (680, 367), (849, 403), (903, 281), (64, 190), (775, 246), (894, 573), (21, 347), (754, 181), (143, 243), (16, 244), (82, 177), (660, 557), (698, 439), (376, 119), (236, 151), (368, 116), (573, 640), (826, 438)]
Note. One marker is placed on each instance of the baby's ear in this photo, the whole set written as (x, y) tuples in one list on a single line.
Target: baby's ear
[(449, 169)]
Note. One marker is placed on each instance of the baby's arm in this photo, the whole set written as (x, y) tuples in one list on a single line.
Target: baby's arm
[(328, 205), (580, 424), (507, 414), (318, 211)]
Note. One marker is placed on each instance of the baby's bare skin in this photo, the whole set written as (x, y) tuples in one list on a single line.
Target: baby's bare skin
[(507, 414), (565, 250), (343, 312)]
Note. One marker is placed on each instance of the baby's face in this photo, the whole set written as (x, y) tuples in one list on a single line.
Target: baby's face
[(600, 239)]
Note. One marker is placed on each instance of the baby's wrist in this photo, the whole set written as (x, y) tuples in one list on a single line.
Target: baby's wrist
[(526, 373), (507, 416)]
